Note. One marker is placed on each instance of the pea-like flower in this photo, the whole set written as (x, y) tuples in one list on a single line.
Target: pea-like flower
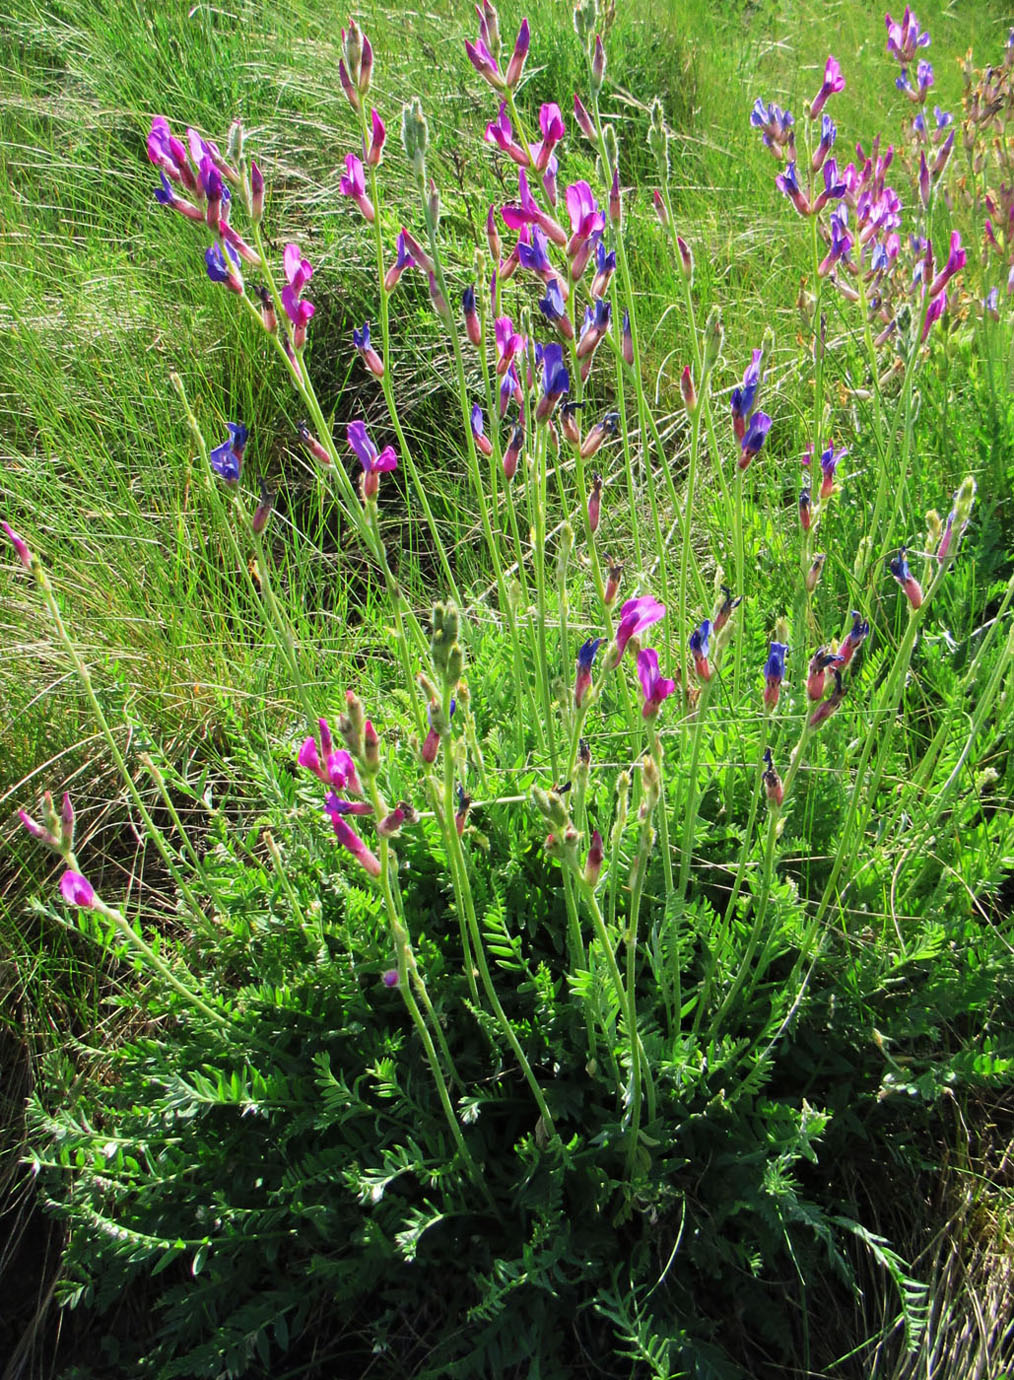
[(555, 381), (833, 82), (905, 578), (353, 185), (741, 400), (824, 711), (227, 459), (654, 686), (482, 441), (773, 788), (635, 616), (374, 463), (757, 428), (369, 356), (852, 640), (585, 662), (224, 268), (829, 461), (78, 891), (774, 673), (904, 37), (699, 643)]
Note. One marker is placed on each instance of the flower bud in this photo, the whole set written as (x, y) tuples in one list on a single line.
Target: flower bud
[(256, 192), (815, 571), (594, 860), (598, 65), (415, 136), (263, 510)]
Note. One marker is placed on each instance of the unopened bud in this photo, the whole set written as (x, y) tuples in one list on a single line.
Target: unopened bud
[(814, 573), (713, 336), (598, 65), (688, 390), (263, 510), (415, 136), (594, 860)]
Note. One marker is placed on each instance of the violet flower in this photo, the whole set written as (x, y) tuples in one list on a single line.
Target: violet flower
[(555, 381), (19, 544), (403, 260), (828, 134), (526, 211), (586, 216), (369, 356), (484, 63), (655, 687), (726, 609), (169, 154), (584, 120), (351, 840), (774, 672), (374, 464), (699, 642), (227, 459), (553, 309), (635, 615), (904, 38), (605, 267), (298, 273), (596, 323), (824, 711), (956, 260), (478, 431), (788, 183), (829, 463), (501, 133), (533, 255), (852, 640), (353, 185), (375, 151), (516, 66), (833, 82), (224, 268), (508, 343), (553, 130), (742, 399), (585, 661), (757, 428), (911, 586), (774, 124), (934, 311), (473, 326)]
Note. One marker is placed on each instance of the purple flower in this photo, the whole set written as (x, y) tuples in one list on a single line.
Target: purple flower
[(526, 211), (361, 340), (169, 153), (788, 183), (552, 305), (353, 185), (586, 218), (555, 380), (754, 436), (956, 259), (904, 38), (774, 123), (635, 615), (742, 399), (841, 241), (78, 891), (373, 463), (698, 642), (774, 672), (478, 431), (832, 83), (517, 63), (552, 128), (853, 639), (911, 586), (227, 459), (655, 687), (351, 840), (585, 662), (533, 255), (222, 269), (829, 463), (605, 267), (934, 311), (828, 134), (501, 133), (19, 544), (402, 261), (484, 63), (298, 273), (596, 323)]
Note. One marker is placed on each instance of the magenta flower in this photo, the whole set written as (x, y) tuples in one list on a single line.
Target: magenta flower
[(337, 770), (501, 133), (508, 343), (483, 60), (349, 839), (586, 217), (526, 211), (832, 83), (378, 136), (78, 891), (374, 464), (956, 259), (635, 616), (19, 544), (934, 311), (169, 154), (298, 273), (553, 130), (353, 185), (655, 687)]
